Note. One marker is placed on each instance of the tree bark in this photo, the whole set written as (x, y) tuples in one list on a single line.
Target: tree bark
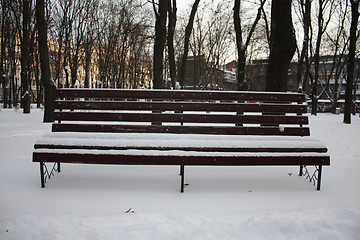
[(241, 85), (25, 55), (159, 44), (44, 62), (170, 40), (3, 52), (188, 30), (351, 61), (282, 46), (314, 96), (88, 48), (304, 52)]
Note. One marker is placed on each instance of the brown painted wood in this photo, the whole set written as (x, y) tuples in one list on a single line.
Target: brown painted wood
[(181, 106), (178, 117), (286, 131), (179, 95), (194, 148), (180, 160)]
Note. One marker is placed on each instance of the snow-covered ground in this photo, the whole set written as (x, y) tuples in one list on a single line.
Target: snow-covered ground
[(92, 201)]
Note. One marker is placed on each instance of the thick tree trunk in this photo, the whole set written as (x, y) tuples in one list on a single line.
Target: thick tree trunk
[(282, 46), (170, 40), (241, 85), (188, 30), (44, 61), (160, 39), (25, 55), (350, 70)]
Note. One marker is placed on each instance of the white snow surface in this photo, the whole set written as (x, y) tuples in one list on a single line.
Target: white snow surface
[(144, 202), (176, 140)]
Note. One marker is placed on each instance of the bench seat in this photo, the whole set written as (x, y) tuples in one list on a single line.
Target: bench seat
[(184, 142), (175, 149)]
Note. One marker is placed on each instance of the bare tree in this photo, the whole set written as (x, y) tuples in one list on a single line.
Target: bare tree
[(44, 60), (350, 70), (305, 9), (25, 55), (240, 44), (159, 43), (5, 22), (188, 30), (122, 45), (170, 39), (89, 40), (322, 24), (337, 43), (210, 44), (11, 13), (63, 17), (83, 11), (282, 46)]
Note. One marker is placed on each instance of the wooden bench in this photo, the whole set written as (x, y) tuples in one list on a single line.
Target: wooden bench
[(181, 127)]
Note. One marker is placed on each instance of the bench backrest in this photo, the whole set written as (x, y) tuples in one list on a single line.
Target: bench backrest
[(180, 111)]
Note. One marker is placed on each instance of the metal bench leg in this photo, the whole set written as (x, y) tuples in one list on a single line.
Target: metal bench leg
[(301, 170), (314, 177), (319, 178), (181, 170), (182, 173), (42, 174), (47, 173)]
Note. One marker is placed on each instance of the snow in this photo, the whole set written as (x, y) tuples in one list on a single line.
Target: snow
[(135, 140), (91, 201)]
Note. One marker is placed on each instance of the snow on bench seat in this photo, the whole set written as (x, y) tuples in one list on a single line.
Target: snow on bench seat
[(158, 141)]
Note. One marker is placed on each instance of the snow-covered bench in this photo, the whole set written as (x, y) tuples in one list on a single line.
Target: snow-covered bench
[(181, 127)]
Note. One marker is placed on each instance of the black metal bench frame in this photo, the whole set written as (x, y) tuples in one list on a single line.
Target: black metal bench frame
[(188, 112)]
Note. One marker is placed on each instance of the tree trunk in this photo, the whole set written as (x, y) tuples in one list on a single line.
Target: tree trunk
[(241, 45), (351, 61), (170, 40), (240, 48), (88, 48), (160, 39), (314, 94), (25, 55), (13, 88), (44, 61), (188, 30), (305, 47), (3, 52), (335, 95), (282, 46), (37, 80)]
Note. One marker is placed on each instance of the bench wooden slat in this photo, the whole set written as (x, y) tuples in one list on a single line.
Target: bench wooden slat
[(248, 160), (178, 117), (181, 106), (179, 95), (288, 131), (202, 149)]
